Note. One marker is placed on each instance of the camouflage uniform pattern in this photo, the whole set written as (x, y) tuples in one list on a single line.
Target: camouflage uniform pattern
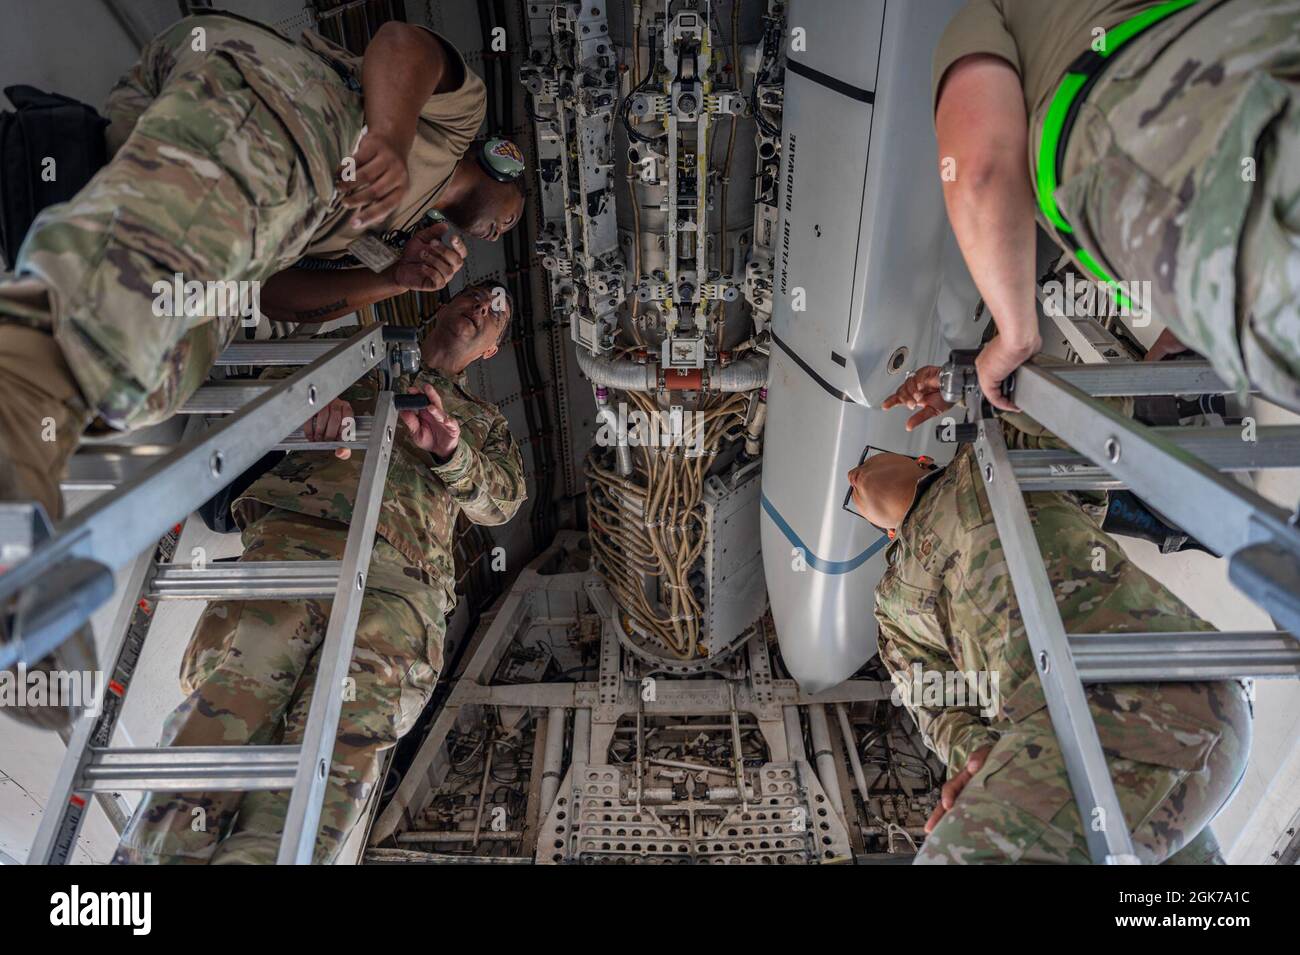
[(1176, 750), (222, 169), (1181, 170), (484, 479), (249, 672), (250, 667)]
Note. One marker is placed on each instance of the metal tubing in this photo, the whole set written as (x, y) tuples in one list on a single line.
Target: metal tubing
[(1192, 656), (554, 757), (1134, 378), (1171, 481), (255, 580), (846, 731), (1224, 449), (745, 374), (267, 354), (57, 834), (178, 769), (824, 756)]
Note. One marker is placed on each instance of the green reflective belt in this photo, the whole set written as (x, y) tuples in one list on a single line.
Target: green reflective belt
[(1075, 85)]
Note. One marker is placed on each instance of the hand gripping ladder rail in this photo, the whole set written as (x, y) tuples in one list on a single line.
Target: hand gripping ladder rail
[(61, 575), (1177, 472)]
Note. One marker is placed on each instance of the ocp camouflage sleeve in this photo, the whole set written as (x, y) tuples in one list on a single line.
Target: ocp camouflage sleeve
[(487, 482), (484, 479), (1023, 433), (911, 646)]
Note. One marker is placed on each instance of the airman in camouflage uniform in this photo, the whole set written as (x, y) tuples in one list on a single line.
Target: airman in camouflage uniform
[(225, 143), (1184, 169), (1176, 751), (223, 167), (250, 668), (1180, 169)]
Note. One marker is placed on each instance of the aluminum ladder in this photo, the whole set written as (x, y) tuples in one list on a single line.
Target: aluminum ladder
[(1179, 473), (68, 571)]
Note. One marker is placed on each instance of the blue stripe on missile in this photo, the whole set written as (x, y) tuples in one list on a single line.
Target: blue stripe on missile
[(815, 562)]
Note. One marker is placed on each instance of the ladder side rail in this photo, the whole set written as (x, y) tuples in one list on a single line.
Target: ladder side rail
[(1220, 512), (116, 527), (66, 809), (298, 840), (1067, 702)]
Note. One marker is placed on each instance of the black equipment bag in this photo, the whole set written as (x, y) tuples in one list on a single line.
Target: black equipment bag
[(215, 512), (50, 147)]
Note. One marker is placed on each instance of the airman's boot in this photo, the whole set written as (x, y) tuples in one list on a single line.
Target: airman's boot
[(42, 416)]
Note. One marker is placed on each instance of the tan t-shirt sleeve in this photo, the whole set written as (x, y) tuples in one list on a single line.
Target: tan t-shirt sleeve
[(448, 124), (457, 115), (978, 27)]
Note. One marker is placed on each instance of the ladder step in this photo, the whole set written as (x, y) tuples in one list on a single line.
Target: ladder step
[(1276, 446), (103, 468), (189, 768), (224, 399), (1191, 656), (1143, 378), (274, 353), (260, 580), (296, 441)]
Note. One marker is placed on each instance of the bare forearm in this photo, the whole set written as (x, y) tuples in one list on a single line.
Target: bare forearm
[(309, 297), (992, 214), (402, 67), (982, 128)]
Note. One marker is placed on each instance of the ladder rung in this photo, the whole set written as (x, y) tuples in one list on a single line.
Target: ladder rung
[(296, 441), (1192, 655), (251, 580), (224, 399), (274, 353), (104, 468), (1276, 446), (1143, 378), (174, 769)]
